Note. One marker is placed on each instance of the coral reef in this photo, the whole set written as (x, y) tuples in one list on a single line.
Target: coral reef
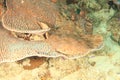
[(80, 27), (59, 43), (21, 18)]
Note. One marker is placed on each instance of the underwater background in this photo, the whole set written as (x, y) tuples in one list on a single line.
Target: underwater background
[(95, 23)]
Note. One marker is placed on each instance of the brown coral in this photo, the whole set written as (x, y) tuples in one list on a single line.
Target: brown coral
[(21, 16), (26, 15), (13, 49), (75, 48)]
